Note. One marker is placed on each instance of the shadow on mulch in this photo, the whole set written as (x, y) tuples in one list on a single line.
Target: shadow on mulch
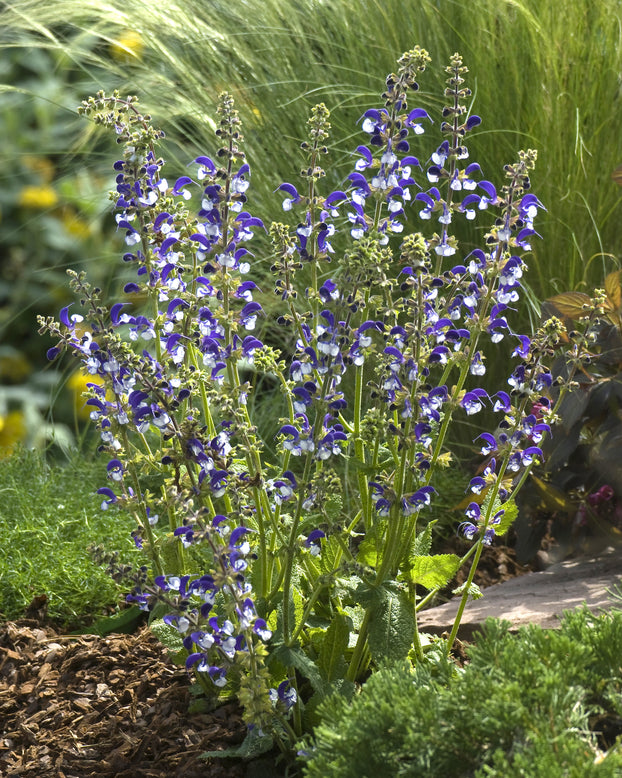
[(75, 706)]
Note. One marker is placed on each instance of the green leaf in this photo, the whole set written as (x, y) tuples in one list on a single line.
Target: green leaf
[(330, 661), (299, 605), (296, 609), (126, 621), (296, 657), (367, 553), (312, 567), (392, 625), (332, 505), (369, 596), (423, 541), (167, 635), (433, 571), (253, 745), (474, 591), (510, 514), (331, 552)]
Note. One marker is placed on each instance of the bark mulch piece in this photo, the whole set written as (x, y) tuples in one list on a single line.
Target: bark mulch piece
[(80, 706)]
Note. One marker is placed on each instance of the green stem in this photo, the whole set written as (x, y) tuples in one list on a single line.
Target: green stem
[(359, 451), (359, 649), (291, 550), (425, 600), (173, 524), (207, 415), (319, 587), (491, 497), (465, 596)]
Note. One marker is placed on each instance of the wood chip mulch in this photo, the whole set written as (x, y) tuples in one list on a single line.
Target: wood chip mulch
[(80, 706), (497, 564)]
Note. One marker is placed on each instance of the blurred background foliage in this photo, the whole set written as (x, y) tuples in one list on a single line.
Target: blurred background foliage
[(53, 215), (545, 75)]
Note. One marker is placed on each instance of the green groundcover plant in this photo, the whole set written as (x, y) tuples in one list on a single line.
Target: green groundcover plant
[(288, 568), (47, 530), (543, 702)]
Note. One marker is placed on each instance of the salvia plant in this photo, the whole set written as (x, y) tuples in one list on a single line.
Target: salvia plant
[(290, 567)]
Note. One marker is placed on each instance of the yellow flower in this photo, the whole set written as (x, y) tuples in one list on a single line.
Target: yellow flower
[(12, 431), (40, 197), (127, 46), (77, 383), (74, 225)]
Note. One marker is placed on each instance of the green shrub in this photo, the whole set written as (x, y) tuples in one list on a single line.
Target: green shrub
[(530, 704)]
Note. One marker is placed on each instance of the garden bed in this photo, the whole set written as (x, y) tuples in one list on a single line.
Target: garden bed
[(79, 706), (82, 705)]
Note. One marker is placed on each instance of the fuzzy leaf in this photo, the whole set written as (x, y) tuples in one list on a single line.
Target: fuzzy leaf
[(167, 635), (296, 657), (368, 596), (171, 639), (332, 505), (423, 541), (331, 552), (510, 514), (296, 609), (392, 625), (367, 553), (330, 660), (474, 590), (434, 571)]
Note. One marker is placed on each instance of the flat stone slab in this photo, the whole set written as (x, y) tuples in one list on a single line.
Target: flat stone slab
[(535, 598)]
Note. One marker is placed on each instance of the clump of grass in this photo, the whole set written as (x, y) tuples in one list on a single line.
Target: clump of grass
[(49, 516)]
